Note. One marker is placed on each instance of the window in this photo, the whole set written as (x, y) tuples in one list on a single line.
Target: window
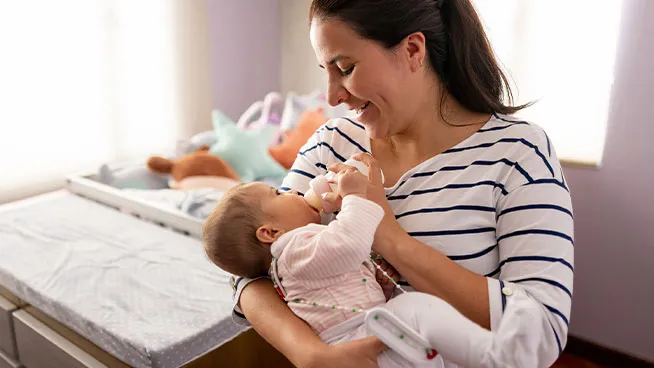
[(561, 54), (86, 82)]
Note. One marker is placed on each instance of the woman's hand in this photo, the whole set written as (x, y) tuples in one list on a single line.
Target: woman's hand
[(389, 229), (353, 354)]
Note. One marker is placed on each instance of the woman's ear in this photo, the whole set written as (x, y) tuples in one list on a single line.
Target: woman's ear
[(267, 234), (416, 49)]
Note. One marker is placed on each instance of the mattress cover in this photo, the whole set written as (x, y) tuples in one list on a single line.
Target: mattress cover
[(141, 292)]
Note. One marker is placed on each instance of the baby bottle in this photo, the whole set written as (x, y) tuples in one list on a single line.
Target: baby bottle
[(320, 185)]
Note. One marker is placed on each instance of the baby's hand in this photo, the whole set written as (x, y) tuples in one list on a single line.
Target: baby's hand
[(352, 182)]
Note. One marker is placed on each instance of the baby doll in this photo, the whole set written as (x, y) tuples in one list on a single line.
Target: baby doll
[(324, 272)]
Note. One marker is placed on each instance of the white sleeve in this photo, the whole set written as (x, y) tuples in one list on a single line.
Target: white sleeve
[(535, 239)]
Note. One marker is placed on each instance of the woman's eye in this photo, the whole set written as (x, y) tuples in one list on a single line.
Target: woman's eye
[(347, 71)]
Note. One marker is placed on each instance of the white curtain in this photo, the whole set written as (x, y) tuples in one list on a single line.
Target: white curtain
[(560, 53), (85, 82)]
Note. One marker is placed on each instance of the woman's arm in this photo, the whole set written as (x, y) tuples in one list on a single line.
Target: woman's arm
[(287, 333), (431, 272), (277, 324)]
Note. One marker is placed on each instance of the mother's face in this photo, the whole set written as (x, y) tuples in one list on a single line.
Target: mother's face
[(380, 85)]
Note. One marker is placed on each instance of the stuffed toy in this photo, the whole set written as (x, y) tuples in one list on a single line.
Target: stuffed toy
[(261, 113), (286, 152), (131, 178), (196, 170), (246, 151), (194, 143), (295, 105)]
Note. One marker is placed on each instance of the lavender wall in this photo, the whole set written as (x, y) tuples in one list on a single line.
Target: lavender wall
[(245, 52), (613, 301)]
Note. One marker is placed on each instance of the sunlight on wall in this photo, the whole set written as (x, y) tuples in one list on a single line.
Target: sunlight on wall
[(84, 82), (560, 53)]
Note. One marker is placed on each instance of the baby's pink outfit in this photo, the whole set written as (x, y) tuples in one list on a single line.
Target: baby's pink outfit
[(329, 265)]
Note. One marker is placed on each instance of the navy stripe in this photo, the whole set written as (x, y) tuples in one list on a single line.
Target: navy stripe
[(348, 138), (547, 281), (505, 140), (557, 312), (551, 181), (321, 165), (474, 255), (352, 121), (503, 296), (501, 127), (451, 186), (452, 232), (310, 176), (535, 207), (509, 121), (549, 146), (535, 231), (326, 145), (477, 163), (497, 270), (447, 209), (558, 342), (537, 258)]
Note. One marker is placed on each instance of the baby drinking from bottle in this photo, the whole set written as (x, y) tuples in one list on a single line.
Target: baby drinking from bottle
[(325, 275)]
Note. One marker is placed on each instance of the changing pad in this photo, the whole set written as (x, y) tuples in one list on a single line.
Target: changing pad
[(143, 293)]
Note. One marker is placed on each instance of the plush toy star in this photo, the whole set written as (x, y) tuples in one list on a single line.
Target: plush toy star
[(246, 151)]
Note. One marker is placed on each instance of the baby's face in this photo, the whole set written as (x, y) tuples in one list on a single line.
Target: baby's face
[(287, 209)]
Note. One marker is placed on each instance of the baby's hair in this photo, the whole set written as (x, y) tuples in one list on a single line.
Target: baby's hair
[(229, 235)]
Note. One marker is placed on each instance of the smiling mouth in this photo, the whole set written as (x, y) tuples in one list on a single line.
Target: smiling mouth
[(361, 109)]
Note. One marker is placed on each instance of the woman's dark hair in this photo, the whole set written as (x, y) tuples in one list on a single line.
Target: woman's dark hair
[(457, 47)]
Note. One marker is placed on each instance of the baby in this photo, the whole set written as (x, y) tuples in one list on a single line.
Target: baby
[(256, 231), (325, 275)]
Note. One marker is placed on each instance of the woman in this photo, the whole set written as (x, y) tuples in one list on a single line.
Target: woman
[(476, 203)]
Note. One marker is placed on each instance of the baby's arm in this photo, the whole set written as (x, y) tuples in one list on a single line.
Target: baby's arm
[(343, 244)]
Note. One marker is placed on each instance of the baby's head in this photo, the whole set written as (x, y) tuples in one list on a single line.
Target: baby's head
[(247, 220)]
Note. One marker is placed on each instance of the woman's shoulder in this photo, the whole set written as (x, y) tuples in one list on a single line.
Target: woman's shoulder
[(514, 127), (524, 143), (525, 135)]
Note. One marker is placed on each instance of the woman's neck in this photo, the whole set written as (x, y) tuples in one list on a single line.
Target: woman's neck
[(430, 133)]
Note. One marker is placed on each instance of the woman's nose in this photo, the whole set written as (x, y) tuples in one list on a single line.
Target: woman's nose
[(336, 94)]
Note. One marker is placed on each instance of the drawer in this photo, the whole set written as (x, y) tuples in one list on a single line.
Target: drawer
[(7, 362), (41, 347), (7, 340)]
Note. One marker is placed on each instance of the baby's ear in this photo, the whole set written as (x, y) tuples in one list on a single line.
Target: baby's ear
[(267, 234)]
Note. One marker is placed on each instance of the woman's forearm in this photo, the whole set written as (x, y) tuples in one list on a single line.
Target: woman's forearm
[(431, 272), (277, 324)]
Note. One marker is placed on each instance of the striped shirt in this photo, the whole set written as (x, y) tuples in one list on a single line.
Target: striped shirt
[(496, 203), (329, 265)]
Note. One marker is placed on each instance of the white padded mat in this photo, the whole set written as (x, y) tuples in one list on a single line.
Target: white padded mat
[(143, 293)]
